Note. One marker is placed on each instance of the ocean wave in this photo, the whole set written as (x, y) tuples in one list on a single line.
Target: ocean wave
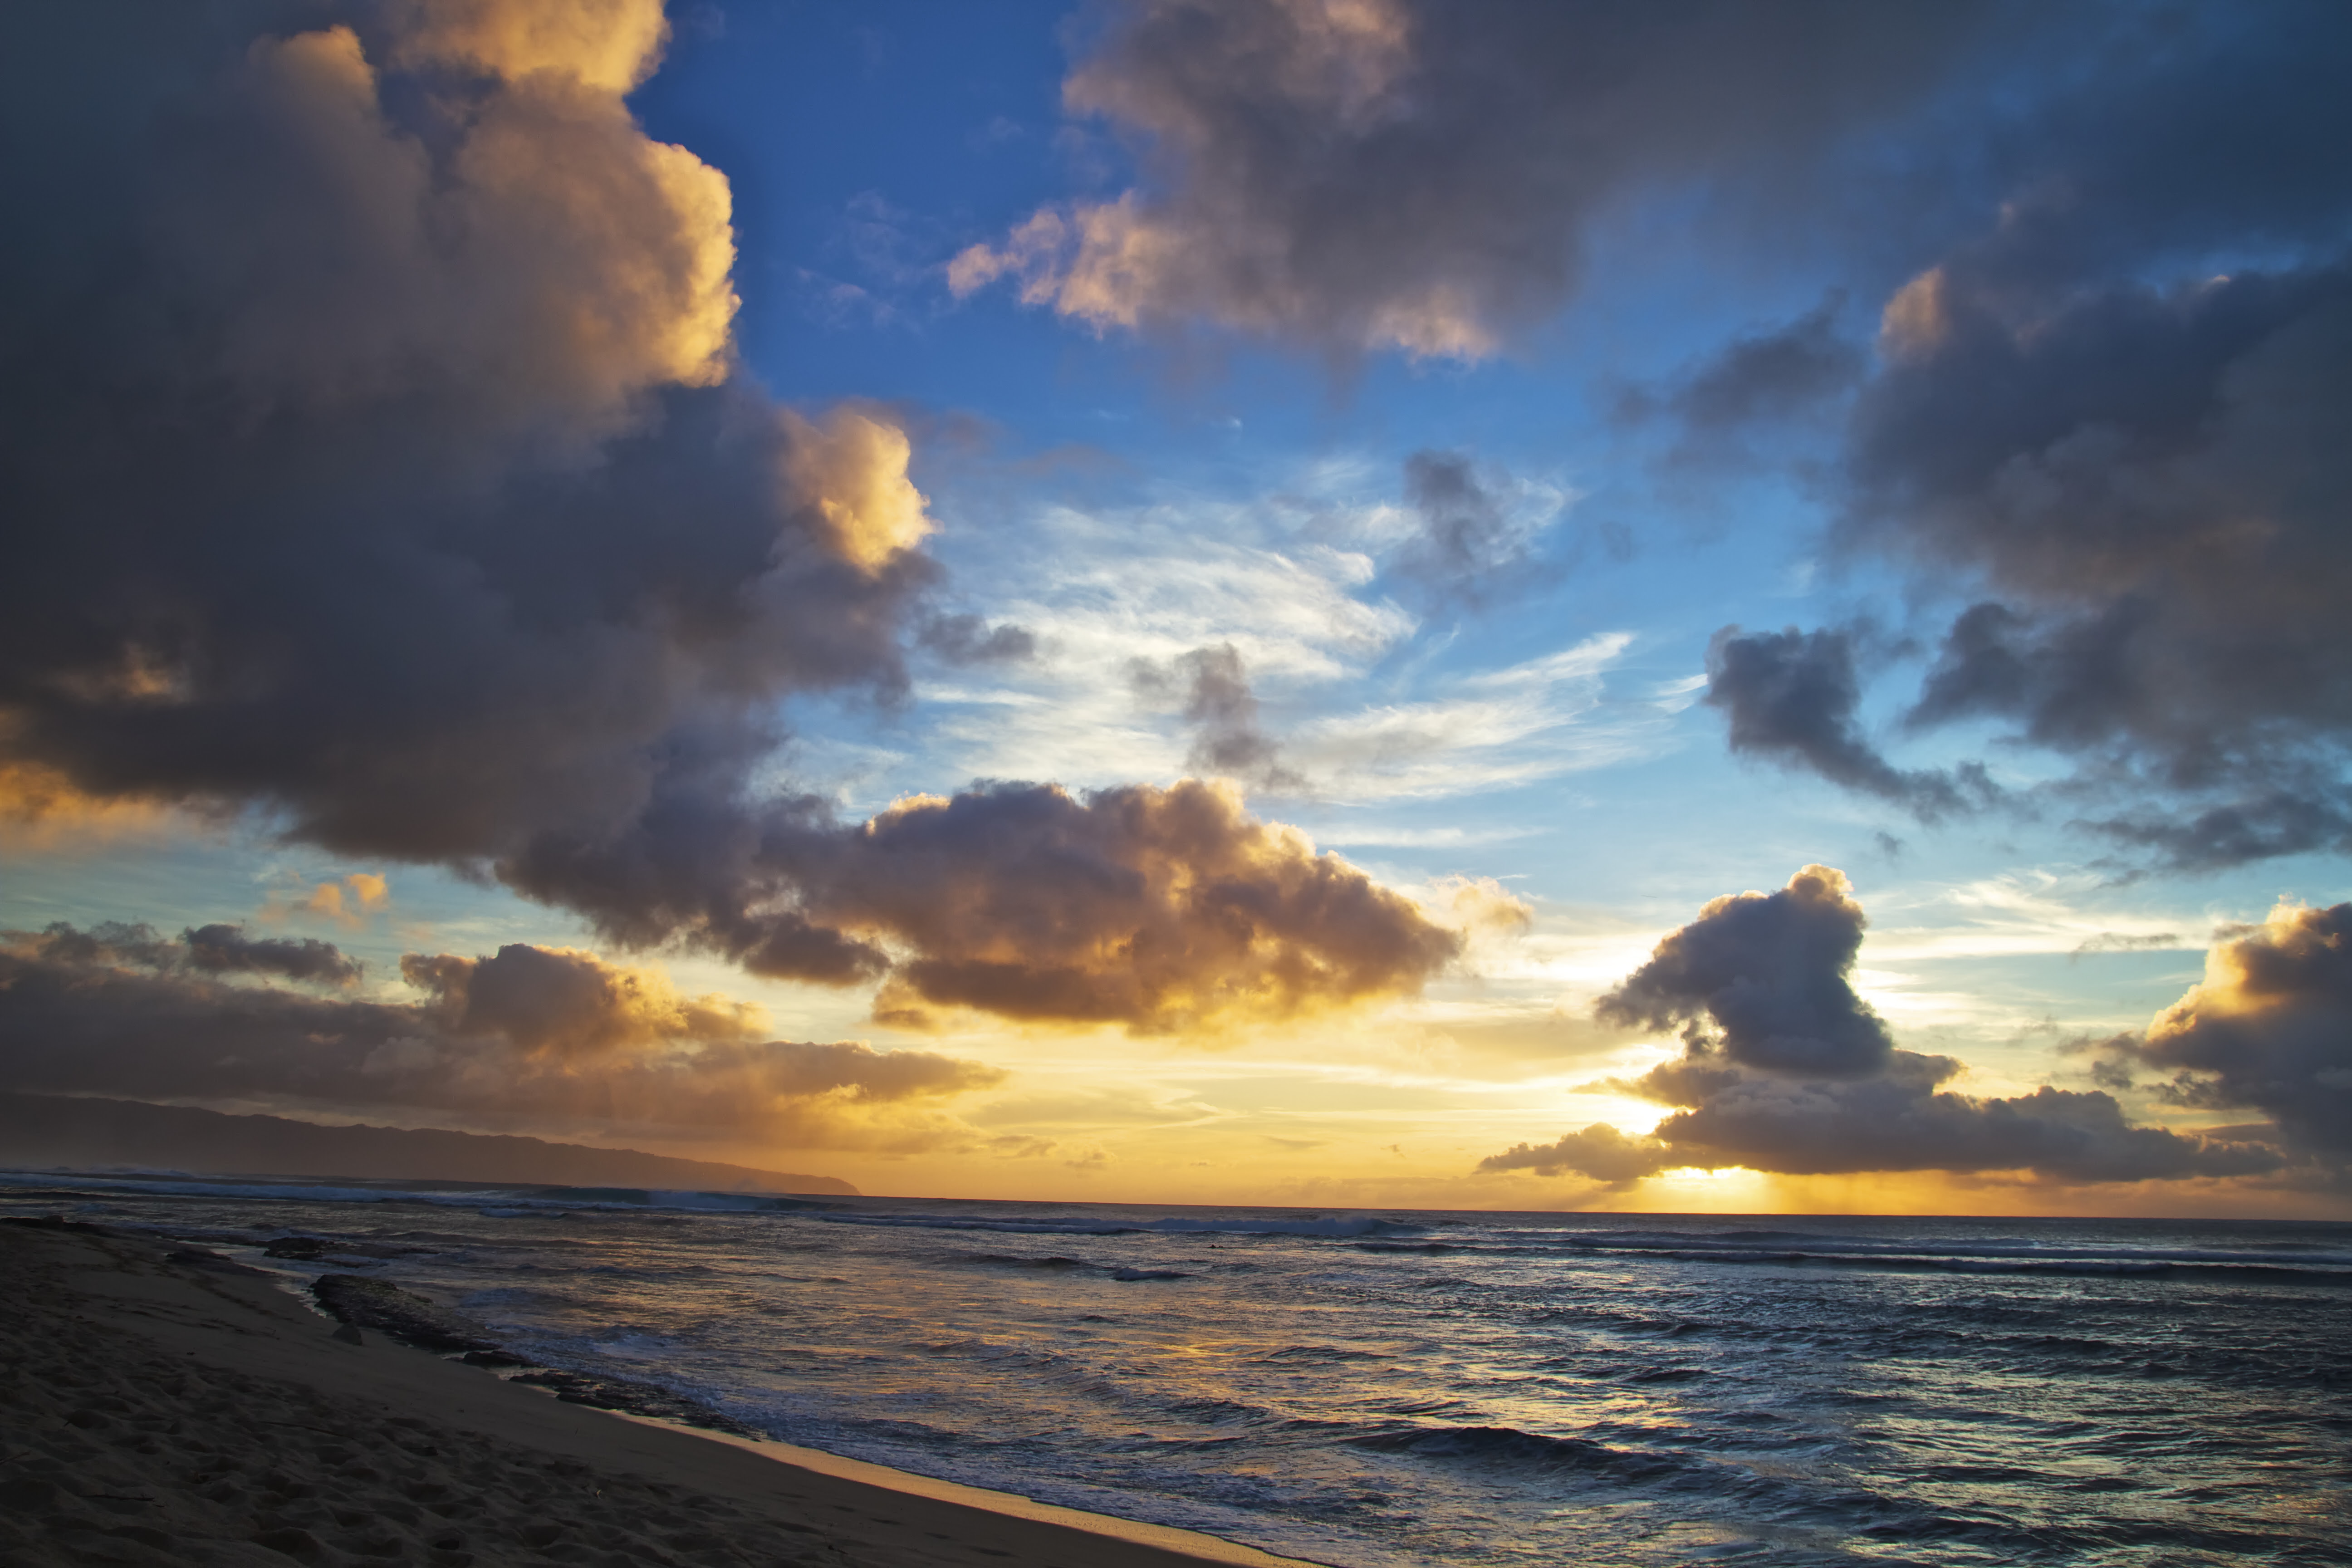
[(1508, 1446), (959, 1222), (2127, 1267), (1341, 1228), (1778, 1243)]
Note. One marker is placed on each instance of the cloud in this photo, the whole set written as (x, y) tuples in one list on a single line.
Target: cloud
[(965, 639), (347, 900), (1157, 909), (41, 810), (1282, 579), (1474, 533), (1763, 979), (381, 470), (1362, 174), (1899, 1120), (226, 949), (2115, 416), (376, 443), (1799, 1077), (1491, 730), (2269, 1030), (564, 1001), (1769, 377), (1761, 384), (1600, 1152), (527, 1038), (2143, 479), (1791, 697), (1218, 703), (211, 949)]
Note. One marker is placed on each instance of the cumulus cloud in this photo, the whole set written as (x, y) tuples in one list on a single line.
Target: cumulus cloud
[(2116, 417), (2145, 479), (380, 467), (1799, 1077), (1157, 909), (527, 1038), (1763, 978), (1361, 174), (375, 447), (1791, 697), (564, 1001), (2269, 1029)]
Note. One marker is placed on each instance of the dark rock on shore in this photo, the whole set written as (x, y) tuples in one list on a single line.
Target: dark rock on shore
[(53, 1221), (634, 1399), (399, 1314)]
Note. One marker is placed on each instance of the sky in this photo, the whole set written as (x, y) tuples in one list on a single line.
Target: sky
[(1693, 607)]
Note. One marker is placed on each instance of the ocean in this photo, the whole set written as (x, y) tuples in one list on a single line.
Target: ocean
[(1404, 1387)]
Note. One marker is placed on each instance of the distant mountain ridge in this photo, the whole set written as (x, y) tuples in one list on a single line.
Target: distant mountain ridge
[(44, 1130)]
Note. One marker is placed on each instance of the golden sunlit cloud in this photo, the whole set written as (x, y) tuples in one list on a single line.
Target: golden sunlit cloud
[(855, 465), (42, 811), (1163, 910), (609, 45), (348, 900)]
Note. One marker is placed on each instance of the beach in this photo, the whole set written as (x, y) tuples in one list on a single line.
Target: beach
[(947, 1379), (162, 1405)]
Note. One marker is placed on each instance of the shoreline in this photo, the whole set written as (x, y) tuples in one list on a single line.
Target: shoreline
[(168, 1411)]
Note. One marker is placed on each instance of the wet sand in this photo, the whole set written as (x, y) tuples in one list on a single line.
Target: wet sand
[(158, 1409)]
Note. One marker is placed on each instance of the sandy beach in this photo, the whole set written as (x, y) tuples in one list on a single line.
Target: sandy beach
[(157, 1407)]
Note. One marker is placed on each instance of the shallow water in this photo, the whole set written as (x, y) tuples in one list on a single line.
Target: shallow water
[(1454, 1388)]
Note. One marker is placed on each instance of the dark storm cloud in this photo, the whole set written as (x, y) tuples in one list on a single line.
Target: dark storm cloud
[(1801, 1078), (1762, 978), (1791, 697), (529, 1037), (1354, 174), (2269, 1029), (376, 460)]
